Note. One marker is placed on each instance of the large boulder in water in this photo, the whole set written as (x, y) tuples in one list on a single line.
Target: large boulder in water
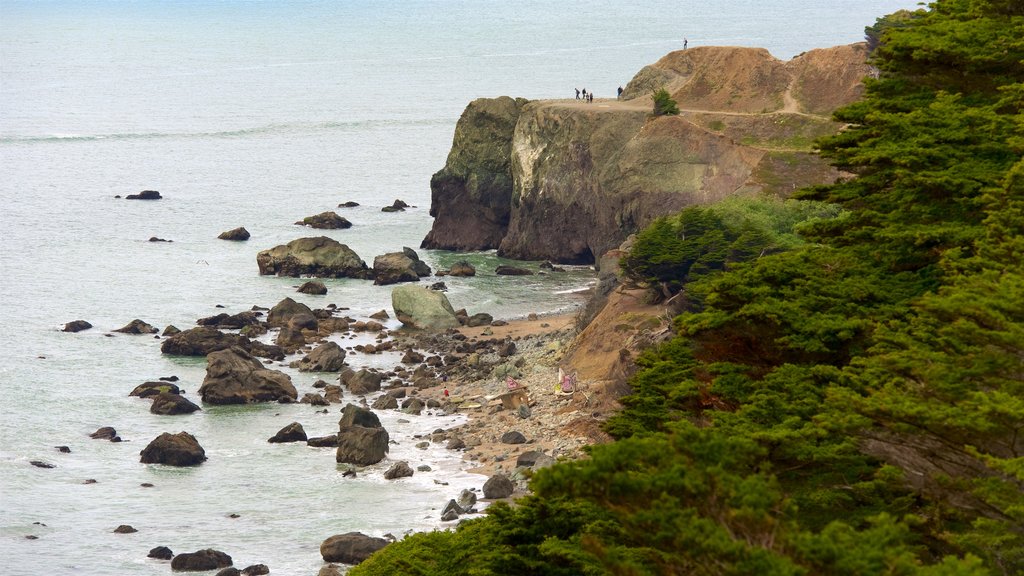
[(422, 308), (327, 357), (361, 438), (325, 221), (201, 561), (144, 195), (395, 267), (284, 310), (290, 433), (181, 449), (202, 341), (233, 376), (319, 256), (350, 548)]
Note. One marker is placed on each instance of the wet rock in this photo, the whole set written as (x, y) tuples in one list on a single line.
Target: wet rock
[(381, 315), (361, 439), (506, 348), (224, 320), (385, 402), (229, 571), (171, 330), (125, 529), (364, 381), (239, 234), (328, 357), (105, 433), (144, 195), (412, 357), (332, 393), (350, 548), (395, 267), (467, 499), (439, 287), (396, 206), (160, 553), (256, 570), (63, 449), (290, 433), (451, 511), (155, 239), (398, 470), (76, 326), (412, 406), (151, 389), (202, 341), (181, 449), (462, 268), (498, 486), (325, 221), (330, 441), (137, 327), (456, 444), (170, 404), (480, 319), (321, 257), (233, 376), (314, 399), (314, 287), (41, 464), (512, 271), (348, 204), (285, 310), (208, 559)]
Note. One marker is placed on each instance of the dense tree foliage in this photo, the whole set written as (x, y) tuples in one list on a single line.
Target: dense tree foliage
[(676, 251), (851, 405), (664, 105)]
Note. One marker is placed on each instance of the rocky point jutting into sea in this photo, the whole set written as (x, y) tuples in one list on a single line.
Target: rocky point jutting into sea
[(568, 180)]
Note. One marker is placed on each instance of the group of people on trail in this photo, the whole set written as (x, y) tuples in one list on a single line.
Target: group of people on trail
[(587, 96)]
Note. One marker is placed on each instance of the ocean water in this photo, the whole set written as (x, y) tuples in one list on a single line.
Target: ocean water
[(257, 114)]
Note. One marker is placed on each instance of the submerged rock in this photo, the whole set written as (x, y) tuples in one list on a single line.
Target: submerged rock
[(144, 195), (170, 404), (290, 433)]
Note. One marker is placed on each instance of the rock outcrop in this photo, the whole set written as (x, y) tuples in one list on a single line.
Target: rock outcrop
[(171, 404), (567, 182), (470, 198), (422, 308), (318, 256), (361, 438), (233, 376)]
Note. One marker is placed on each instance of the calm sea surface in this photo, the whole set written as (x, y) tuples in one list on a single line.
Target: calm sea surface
[(258, 114)]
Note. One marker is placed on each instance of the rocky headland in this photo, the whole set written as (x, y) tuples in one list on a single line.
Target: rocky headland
[(568, 180)]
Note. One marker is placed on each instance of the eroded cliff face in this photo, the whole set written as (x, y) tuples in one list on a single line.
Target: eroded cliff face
[(566, 180), (470, 198)]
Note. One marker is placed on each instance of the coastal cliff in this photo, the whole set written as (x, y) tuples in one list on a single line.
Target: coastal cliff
[(566, 180)]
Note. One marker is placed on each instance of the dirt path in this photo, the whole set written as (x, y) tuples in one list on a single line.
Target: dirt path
[(790, 106)]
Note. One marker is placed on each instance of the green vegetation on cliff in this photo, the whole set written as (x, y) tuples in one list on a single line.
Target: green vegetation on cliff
[(853, 404)]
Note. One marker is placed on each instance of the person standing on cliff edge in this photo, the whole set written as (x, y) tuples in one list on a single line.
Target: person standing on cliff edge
[(685, 42), (577, 93)]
